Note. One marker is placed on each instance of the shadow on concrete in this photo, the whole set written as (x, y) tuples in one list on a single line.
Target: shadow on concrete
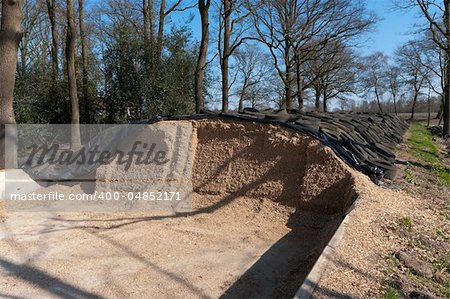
[(281, 270), (50, 284)]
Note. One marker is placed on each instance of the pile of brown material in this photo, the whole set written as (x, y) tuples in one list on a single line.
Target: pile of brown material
[(267, 161), (2, 211)]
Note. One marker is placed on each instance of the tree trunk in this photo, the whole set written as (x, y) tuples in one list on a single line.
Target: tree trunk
[(378, 101), (317, 102), (84, 63), (145, 17), (52, 16), (446, 112), (203, 9), (241, 103), (151, 21), (242, 95), (429, 108), (226, 53), (159, 39), (146, 26), (23, 61), (299, 82), (441, 108), (225, 91), (325, 103), (71, 75), (11, 17), (287, 83), (413, 109), (395, 104)]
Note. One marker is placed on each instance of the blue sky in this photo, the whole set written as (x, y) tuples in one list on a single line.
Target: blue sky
[(394, 28)]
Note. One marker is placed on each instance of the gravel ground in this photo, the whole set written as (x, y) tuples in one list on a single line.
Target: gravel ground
[(388, 221), (75, 255)]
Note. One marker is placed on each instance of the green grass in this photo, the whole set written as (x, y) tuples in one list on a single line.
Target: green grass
[(426, 151), (391, 293), (409, 177), (447, 210), (445, 289), (405, 223), (442, 234)]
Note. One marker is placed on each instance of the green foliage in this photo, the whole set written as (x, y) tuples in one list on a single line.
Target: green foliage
[(139, 85), (405, 223), (423, 148), (391, 293), (126, 82), (445, 289), (38, 100), (409, 177)]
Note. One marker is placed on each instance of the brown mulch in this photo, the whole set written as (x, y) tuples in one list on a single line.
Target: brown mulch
[(393, 223)]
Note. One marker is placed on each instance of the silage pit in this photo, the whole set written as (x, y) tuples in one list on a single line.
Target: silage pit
[(266, 202), (303, 187)]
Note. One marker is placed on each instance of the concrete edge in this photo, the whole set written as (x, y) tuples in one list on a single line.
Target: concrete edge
[(312, 280), (17, 181)]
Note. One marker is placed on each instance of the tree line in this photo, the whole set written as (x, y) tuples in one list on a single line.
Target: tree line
[(115, 61)]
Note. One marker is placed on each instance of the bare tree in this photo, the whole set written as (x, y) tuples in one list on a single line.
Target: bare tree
[(437, 15), (71, 75), (394, 83), (84, 62), (31, 16), (252, 68), (410, 59), (321, 23), (331, 72), (233, 15), (293, 29), (163, 13), (435, 62), (339, 83), (51, 8), (203, 8), (11, 17), (374, 79), (274, 22)]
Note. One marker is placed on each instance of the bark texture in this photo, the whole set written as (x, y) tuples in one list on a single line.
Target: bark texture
[(51, 8), (224, 64), (203, 8), (71, 75), (447, 75), (9, 45), (84, 63)]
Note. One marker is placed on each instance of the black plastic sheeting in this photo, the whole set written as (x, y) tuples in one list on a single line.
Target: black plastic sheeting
[(364, 141)]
